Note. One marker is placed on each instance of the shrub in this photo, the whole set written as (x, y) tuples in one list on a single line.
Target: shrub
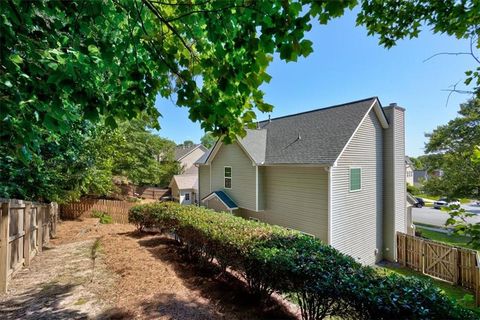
[(104, 218), (412, 189), (322, 280)]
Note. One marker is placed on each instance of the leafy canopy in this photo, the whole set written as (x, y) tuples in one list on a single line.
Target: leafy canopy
[(453, 147), (67, 67), (85, 161), (208, 140)]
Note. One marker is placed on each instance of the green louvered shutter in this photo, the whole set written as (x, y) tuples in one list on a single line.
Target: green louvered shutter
[(355, 179)]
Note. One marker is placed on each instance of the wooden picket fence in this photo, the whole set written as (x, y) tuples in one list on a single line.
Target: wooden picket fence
[(456, 265), (118, 210), (143, 192), (25, 227)]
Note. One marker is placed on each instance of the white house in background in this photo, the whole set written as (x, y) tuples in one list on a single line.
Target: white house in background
[(184, 187), (409, 169), (337, 173)]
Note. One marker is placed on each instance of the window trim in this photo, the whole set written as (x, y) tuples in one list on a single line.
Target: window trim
[(350, 179), (225, 177)]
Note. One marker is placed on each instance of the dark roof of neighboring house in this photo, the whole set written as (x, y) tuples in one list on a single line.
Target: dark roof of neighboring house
[(182, 151), (313, 137), (222, 196), (408, 161)]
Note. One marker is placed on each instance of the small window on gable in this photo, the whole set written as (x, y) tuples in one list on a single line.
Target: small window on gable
[(355, 179), (227, 177)]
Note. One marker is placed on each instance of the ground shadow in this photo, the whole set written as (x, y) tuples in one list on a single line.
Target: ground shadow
[(42, 304), (224, 291)]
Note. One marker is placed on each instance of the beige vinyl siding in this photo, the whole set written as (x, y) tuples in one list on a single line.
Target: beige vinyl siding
[(356, 217), (175, 191), (295, 197), (203, 181), (261, 188), (216, 205), (395, 193), (243, 190), (188, 161), (399, 159)]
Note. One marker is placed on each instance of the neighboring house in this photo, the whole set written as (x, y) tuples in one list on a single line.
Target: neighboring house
[(188, 155), (421, 176), (184, 187), (409, 171), (337, 173)]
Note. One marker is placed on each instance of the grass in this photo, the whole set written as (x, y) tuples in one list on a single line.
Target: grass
[(451, 239), (435, 198), (460, 295)]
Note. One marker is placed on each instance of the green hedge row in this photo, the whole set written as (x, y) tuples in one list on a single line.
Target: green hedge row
[(323, 281)]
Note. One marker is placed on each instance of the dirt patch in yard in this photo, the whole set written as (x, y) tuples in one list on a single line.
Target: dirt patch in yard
[(61, 283), (141, 276)]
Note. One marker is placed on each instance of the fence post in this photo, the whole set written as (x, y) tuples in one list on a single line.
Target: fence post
[(405, 245), (40, 214), (26, 237), (455, 266), (4, 225), (422, 246), (53, 219), (477, 287)]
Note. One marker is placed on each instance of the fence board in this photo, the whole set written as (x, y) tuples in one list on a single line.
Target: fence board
[(452, 264), (22, 234), (118, 210)]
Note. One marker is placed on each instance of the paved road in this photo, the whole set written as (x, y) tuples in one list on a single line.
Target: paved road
[(437, 217)]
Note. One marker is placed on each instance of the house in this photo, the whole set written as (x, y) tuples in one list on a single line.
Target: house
[(184, 187), (421, 176), (409, 168), (188, 155), (336, 173)]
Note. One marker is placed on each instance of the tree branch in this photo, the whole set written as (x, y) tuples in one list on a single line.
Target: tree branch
[(447, 53), (154, 10)]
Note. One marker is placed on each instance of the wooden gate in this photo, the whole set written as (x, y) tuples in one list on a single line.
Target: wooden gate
[(453, 264), (441, 261)]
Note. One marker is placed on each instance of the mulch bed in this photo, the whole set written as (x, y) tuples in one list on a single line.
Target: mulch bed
[(154, 281)]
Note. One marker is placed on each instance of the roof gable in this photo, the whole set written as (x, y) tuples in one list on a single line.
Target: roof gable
[(185, 181), (316, 137), (224, 198), (182, 151)]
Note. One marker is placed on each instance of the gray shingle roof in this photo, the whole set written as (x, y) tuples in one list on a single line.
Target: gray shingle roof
[(312, 137), (182, 151)]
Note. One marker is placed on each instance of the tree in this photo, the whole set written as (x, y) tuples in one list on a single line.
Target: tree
[(208, 140), (454, 146), (462, 226), (108, 60), (85, 160), (64, 62), (136, 155)]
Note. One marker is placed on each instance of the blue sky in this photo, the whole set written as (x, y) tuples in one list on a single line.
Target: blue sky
[(348, 65)]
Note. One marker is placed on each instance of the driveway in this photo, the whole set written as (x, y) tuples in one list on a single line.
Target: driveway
[(437, 217)]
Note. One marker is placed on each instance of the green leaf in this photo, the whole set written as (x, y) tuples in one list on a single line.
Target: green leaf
[(15, 58), (93, 49)]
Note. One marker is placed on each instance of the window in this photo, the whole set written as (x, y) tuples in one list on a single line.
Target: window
[(227, 177), (187, 196), (355, 179)]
